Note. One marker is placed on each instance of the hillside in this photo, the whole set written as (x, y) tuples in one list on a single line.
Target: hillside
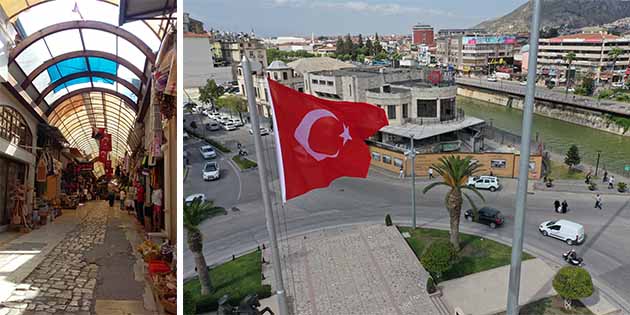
[(561, 14)]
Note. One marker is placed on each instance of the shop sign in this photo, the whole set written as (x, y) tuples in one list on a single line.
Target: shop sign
[(106, 142)]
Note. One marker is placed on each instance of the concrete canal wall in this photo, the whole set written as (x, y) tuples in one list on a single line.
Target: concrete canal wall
[(579, 116)]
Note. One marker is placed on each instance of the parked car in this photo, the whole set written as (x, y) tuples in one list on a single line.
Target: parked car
[(213, 126), (564, 230), (207, 152), (523, 83), (211, 171), (617, 84), (263, 131), (487, 215), (237, 122), (229, 126), (492, 78), (484, 182), (189, 200)]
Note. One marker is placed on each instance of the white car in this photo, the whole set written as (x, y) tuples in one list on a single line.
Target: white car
[(263, 131), (189, 200), (210, 171), (207, 152), (229, 126), (492, 79), (237, 122), (523, 83), (484, 182), (564, 230), (618, 84)]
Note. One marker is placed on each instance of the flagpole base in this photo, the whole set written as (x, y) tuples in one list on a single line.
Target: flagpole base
[(283, 308)]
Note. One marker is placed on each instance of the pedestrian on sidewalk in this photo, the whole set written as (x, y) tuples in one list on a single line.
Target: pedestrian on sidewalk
[(598, 201), (605, 176), (401, 174), (111, 196), (140, 202), (611, 182), (430, 173), (122, 199)]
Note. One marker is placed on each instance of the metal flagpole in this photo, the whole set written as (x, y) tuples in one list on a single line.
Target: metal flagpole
[(521, 190), (412, 153), (262, 172)]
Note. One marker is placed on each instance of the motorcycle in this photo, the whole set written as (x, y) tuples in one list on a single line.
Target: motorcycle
[(572, 258), (242, 152)]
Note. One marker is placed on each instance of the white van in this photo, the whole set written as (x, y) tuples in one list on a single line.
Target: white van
[(565, 230)]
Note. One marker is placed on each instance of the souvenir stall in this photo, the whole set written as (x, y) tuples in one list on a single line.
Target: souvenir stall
[(47, 206)]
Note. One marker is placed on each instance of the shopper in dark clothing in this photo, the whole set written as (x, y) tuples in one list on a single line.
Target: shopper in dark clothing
[(111, 197)]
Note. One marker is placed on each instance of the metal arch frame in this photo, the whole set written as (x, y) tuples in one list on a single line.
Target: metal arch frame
[(64, 26), (86, 54), (42, 2), (89, 74), (125, 98)]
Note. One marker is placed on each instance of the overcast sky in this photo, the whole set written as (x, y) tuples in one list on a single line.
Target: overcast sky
[(334, 17)]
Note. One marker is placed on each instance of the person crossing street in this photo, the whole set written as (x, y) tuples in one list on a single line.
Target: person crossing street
[(598, 201)]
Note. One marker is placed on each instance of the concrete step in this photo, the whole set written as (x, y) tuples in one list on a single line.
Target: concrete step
[(440, 304)]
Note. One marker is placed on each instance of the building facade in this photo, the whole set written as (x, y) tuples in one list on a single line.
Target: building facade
[(476, 53), (592, 52), (422, 34)]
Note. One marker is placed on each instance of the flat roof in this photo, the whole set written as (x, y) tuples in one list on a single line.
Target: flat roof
[(362, 72), (431, 130)]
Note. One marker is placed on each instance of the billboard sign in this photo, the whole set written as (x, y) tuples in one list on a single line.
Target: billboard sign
[(477, 40)]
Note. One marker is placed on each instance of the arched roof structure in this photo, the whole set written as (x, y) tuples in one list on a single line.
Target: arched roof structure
[(81, 70)]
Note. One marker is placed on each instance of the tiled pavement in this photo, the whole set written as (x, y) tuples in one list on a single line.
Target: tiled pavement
[(364, 269), (65, 278)]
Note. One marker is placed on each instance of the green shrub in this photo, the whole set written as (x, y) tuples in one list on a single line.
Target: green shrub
[(438, 257), (573, 283), (622, 186), (264, 292), (431, 286), (388, 220), (190, 305), (243, 163)]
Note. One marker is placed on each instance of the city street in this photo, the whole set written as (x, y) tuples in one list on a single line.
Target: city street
[(350, 201)]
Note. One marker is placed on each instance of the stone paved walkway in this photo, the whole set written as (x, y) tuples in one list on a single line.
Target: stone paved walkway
[(66, 281)]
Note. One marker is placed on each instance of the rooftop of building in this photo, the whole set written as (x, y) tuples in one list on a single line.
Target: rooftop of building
[(196, 35), (316, 64), (388, 89), (426, 131), (361, 72), (422, 26), (278, 65)]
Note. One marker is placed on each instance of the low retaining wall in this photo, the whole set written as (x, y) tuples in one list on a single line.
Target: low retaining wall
[(499, 164), (566, 113)]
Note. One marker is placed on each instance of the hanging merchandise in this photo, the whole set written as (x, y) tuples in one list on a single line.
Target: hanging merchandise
[(50, 164), (103, 156), (105, 144), (165, 77), (156, 146), (41, 170), (126, 162)]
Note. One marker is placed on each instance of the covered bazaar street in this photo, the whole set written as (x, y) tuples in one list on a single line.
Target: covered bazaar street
[(87, 116)]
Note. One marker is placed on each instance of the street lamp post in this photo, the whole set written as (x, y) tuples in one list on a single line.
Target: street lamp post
[(412, 154), (599, 152)]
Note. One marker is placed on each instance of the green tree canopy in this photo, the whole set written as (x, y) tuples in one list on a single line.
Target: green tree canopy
[(233, 103), (573, 157), (209, 93), (573, 283), (438, 258)]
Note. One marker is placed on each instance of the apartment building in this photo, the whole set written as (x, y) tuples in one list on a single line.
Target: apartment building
[(592, 53), (472, 52)]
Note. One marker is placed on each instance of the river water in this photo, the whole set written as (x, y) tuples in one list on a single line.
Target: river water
[(557, 135)]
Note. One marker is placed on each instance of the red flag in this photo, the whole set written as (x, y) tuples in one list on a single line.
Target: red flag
[(320, 140), (105, 144)]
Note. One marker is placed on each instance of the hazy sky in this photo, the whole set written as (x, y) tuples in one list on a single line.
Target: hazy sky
[(333, 17)]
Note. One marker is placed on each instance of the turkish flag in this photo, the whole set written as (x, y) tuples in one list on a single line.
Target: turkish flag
[(320, 140), (105, 143)]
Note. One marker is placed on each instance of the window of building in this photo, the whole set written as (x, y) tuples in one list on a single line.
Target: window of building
[(285, 76), (314, 81), (329, 83), (300, 89), (447, 109), (240, 71), (405, 110), (391, 111), (14, 129), (427, 108), (376, 156), (387, 159), (251, 54), (350, 89), (275, 76), (256, 91)]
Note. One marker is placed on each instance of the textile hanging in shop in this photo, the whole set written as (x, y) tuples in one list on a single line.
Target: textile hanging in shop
[(157, 144), (41, 171), (102, 156), (106, 142), (126, 162), (57, 167), (97, 133)]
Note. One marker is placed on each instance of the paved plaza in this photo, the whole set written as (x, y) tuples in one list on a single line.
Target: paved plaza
[(362, 269), (77, 274)]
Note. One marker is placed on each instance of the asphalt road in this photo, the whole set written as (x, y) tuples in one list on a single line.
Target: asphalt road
[(350, 201)]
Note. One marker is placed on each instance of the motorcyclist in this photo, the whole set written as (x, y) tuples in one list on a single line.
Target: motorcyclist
[(572, 255), (565, 206), (556, 206)]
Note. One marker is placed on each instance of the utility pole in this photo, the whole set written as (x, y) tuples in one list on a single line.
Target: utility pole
[(521, 190), (264, 187), (412, 154)]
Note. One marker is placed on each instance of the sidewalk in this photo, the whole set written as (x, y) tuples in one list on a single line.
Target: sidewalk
[(485, 293), (577, 186), (83, 263)]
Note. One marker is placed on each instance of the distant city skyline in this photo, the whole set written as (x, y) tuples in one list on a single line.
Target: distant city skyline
[(270, 18)]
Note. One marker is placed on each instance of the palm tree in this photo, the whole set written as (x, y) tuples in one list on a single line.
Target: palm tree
[(455, 172), (614, 53), (194, 213), (569, 57)]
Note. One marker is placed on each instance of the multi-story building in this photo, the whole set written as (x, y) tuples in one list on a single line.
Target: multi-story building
[(592, 53), (475, 52), (192, 26), (422, 34), (199, 65), (233, 50)]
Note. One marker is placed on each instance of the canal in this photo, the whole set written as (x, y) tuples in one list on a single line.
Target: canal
[(557, 135)]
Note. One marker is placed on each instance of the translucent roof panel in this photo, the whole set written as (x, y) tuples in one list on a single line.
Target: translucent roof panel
[(100, 41), (33, 56), (66, 68), (64, 42), (46, 14), (131, 53), (98, 64), (76, 117)]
